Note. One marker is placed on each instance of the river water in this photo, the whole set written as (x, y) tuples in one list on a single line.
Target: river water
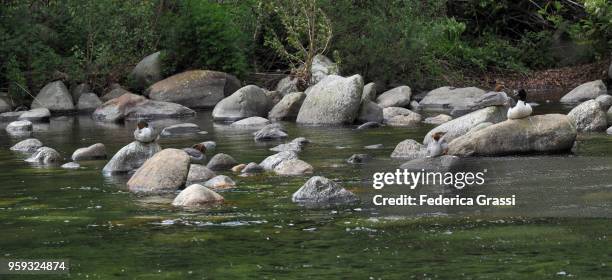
[(560, 225)]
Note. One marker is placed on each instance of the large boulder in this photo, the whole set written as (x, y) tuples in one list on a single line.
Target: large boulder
[(131, 107), (463, 124), (45, 155), (396, 97), (534, 134), (274, 160), (293, 167), (199, 173), (334, 100), (88, 102), (166, 171), (195, 89), (95, 151), (586, 91), (55, 97), (19, 128), (448, 98), (370, 112), (287, 85), (288, 107), (221, 161), (196, 195), (319, 191), (409, 149), (36, 115), (322, 67), (27, 146), (147, 71), (131, 157), (4, 106), (248, 101), (588, 117)]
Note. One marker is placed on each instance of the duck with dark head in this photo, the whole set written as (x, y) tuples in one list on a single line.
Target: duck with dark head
[(438, 146), (197, 153), (144, 133), (522, 109)]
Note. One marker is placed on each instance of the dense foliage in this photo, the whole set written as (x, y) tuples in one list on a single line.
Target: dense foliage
[(420, 43)]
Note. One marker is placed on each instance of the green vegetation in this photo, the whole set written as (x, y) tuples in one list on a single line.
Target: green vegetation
[(420, 43)]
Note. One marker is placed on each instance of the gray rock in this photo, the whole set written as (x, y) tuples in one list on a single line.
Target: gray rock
[(534, 134), (370, 112), (220, 182), (369, 92), (409, 149), (448, 98), (396, 97), (19, 128), (444, 163), (130, 157), (4, 106), (181, 129), (196, 195), (287, 85), (134, 107), (358, 158), (586, 91), (439, 119), (95, 151), (288, 108), (609, 115), (194, 89), (27, 146), (404, 120), (147, 71), (274, 160), (71, 165), (195, 155), (588, 117), (221, 161), (55, 97), (369, 125), (78, 90), (293, 167), (45, 155), (390, 112), (251, 122), (10, 116), (114, 93), (199, 173), (249, 101), (605, 101), (88, 102), (36, 115), (374, 147), (270, 132), (291, 146), (252, 168), (274, 97), (166, 171), (318, 191), (488, 99), (334, 100), (414, 105), (321, 68), (463, 124)]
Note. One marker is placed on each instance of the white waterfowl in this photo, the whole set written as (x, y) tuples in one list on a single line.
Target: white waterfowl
[(144, 133), (438, 146), (522, 109)]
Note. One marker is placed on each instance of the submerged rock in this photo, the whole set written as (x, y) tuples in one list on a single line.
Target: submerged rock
[(293, 167), (27, 146), (270, 132), (221, 161), (319, 191), (463, 124), (95, 151), (249, 101), (71, 165), (358, 158), (588, 117), (409, 149), (334, 100), (19, 128), (584, 92), (220, 182), (374, 147), (181, 129), (166, 171), (196, 195), (195, 88), (396, 97), (369, 125), (45, 155), (55, 97), (534, 134), (199, 173), (130, 157)]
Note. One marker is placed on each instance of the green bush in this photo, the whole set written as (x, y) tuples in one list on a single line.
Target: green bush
[(203, 35)]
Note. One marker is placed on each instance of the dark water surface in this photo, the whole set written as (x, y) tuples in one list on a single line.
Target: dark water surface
[(560, 227)]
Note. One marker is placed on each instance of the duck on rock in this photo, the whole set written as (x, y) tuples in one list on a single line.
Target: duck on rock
[(521, 109), (144, 133), (438, 146), (197, 153)]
